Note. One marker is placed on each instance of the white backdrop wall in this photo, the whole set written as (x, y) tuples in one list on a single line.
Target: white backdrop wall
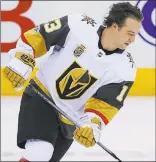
[(43, 11)]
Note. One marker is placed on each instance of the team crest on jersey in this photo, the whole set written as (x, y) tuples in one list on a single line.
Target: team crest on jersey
[(79, 50), (89, 20), (74, 82)]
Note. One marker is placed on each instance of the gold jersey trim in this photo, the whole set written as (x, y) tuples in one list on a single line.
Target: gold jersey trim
[(40, 85), (65, 120), (36, 40), (95, 105)]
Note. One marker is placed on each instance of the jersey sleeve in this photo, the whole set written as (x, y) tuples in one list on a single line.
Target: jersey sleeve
[(45, 35), (108, 100)]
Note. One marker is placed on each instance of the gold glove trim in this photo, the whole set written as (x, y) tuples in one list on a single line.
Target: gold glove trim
[(96, 121), (15, 79), (84, 135)]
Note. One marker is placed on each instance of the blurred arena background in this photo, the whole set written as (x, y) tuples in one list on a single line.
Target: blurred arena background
[(131, 135)]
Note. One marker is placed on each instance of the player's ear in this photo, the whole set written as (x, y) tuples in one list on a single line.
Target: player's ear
[(115, 27)]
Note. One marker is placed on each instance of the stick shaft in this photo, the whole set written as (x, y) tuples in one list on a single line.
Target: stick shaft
[(49, 100)]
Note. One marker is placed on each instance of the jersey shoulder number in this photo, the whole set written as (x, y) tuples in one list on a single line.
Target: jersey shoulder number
[(52, 25)]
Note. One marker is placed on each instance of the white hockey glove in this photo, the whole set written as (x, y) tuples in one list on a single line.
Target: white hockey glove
[(88, 133), (19, 69)]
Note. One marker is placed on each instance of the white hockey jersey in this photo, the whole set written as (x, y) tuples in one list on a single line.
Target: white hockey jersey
[(80, 75)]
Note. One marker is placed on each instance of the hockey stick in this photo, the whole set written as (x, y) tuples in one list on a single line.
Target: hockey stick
[(50, 101)]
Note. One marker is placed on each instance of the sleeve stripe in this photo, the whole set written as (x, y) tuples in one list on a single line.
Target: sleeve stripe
[(36, 41), (104, 119)]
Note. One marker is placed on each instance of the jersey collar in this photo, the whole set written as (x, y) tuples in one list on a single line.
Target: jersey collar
[(99, 32)]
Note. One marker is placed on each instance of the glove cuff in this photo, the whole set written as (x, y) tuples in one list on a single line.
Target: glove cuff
[(92, 115), (20, 68), (26, 59)]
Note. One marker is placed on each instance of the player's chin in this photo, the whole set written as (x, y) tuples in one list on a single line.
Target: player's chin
[(124, 46)]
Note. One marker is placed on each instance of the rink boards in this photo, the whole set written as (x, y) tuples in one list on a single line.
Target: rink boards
[(143, 86)]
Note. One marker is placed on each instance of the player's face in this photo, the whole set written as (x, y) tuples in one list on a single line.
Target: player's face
[(126, 34)]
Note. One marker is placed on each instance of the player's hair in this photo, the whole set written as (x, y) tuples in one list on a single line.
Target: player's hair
[(120, 12)]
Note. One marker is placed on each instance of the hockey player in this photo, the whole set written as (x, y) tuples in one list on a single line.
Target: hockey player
[(88, 75)]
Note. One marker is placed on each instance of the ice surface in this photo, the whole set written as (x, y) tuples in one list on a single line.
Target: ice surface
[(130, 135)]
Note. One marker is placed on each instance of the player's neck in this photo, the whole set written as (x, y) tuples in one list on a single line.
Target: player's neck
[(107, 40)]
